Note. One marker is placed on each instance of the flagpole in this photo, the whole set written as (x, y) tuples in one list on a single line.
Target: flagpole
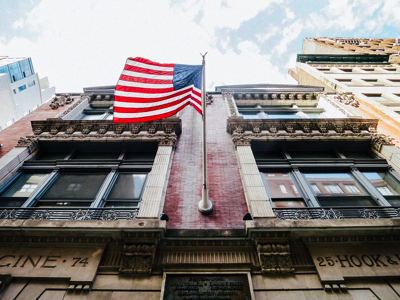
[(205, 205)]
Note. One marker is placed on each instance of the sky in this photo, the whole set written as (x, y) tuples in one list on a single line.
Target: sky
[(84, 43)]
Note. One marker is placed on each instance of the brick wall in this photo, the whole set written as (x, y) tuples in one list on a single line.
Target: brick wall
[(185, 184)]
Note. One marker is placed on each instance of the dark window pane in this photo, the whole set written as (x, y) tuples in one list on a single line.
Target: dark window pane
[(312, 154), (121, 204), (52, 156), (63, 204), (12, 201), (346, 201), (140, 156), (99, 155), (394, 202), (75, 186), (127, 187), (357, 154)]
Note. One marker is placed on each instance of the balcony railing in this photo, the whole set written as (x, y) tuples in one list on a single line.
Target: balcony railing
[(337, 213), (64, 213)]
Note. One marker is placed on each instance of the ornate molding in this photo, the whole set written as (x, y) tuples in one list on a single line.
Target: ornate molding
[(54, 239), (76, 103), (291, 97), (30, 142), (167, 140), (347, 99), (137, 259), (275, 258), (60, 100), (164, 130), (302, 126), (379, 140)]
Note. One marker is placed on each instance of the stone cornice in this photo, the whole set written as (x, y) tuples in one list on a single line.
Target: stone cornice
[(164, 131), (239, 125)]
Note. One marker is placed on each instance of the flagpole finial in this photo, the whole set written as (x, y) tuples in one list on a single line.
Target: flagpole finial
[(204, 56)]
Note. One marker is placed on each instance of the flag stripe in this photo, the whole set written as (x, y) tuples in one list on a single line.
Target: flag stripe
[(150, 91)]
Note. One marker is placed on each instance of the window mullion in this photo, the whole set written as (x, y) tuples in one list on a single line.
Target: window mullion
[(306, 190), (31, 201), (104, 188), (369, 187)]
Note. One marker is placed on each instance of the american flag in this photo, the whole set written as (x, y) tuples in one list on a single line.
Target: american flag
[(148, 91)]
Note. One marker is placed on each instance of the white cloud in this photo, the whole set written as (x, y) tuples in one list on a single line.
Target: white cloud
[(89, 44), (272, 31), (289, 34), (18, 24)]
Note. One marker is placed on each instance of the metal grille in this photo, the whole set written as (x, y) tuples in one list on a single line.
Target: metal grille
[(332, 213), (36, 213)]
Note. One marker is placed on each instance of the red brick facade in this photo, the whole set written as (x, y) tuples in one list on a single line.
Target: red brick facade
[(185, 183)]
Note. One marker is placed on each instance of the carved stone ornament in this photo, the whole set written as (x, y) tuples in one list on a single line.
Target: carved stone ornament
[(379, 140), (135, 128), (167, 140), (347, 99), (137, 259), (241, 140), (119, 129), (152, 129), (228, 97), (61, 100), (275, 258), (30, 142)]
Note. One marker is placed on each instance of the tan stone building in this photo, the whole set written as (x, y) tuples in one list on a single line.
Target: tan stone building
[(306, 202)]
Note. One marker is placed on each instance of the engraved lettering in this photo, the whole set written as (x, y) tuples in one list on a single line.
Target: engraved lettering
[(7, 265), (358, 263), (34, 264), (50, 259), (18, 261), (377, 261), (329, 261), (371, 262), (321, 260), (77, 259), (390, 261), (341, 260)]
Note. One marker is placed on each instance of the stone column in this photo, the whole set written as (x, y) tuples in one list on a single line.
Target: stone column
[(154, 194), (256, 196)]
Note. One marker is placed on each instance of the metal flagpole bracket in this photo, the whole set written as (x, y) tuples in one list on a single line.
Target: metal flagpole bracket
[(205, 205)]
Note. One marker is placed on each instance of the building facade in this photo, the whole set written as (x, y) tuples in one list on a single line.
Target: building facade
[(306, 204), (21, 90)]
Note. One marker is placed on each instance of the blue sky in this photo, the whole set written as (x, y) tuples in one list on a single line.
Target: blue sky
[(80, 43)]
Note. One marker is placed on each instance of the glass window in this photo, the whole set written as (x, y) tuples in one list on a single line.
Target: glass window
[(73, 189), (21, 189), (22, 87), (289, 115), (383, 182), (127, 190), (15, 72), (96, 155), (333, 183), (251, 115), (282, 190)]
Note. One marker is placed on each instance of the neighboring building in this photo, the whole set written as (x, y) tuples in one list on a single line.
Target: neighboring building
[(371, 80), (305, 204), (330, 45), (21, 90)]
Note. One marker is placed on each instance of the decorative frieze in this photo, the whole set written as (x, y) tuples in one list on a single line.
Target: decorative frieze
[(379, 140), (275, 258), (303, 125), (60, 100), (347, 99), (30, 142), (137, 259)]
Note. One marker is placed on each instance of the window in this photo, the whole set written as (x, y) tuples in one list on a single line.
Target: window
[(280, 112), (20, 188), (374, 82), (22, 87), (9, 122), (31, 83), (109, 175), (96, 114), (282, 190), (340, 185)]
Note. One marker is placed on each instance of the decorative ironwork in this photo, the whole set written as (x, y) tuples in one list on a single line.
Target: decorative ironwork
[(368, 213), (65, 213), (330, 214), (109, 215), (41, 215), (337, 213), (8, 214), (81, 215)]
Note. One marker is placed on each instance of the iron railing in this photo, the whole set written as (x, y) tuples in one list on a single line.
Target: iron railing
[(336, 213), (64, 213)]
